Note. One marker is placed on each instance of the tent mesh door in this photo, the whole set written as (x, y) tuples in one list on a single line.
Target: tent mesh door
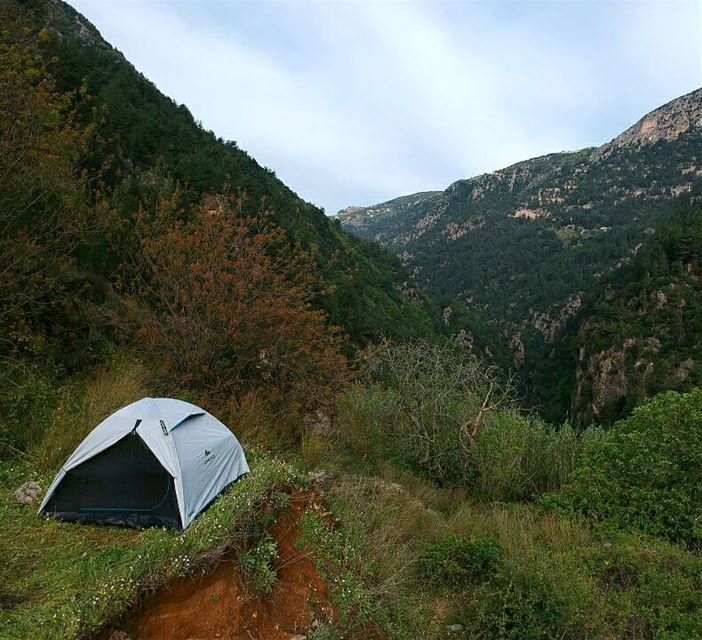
[(124, 484)]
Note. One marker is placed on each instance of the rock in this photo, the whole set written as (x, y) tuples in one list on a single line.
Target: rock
[(517, 347), (447, 313), (684, 370), (298, 636), (318, 423), (320, 479), (29, 493), (411, 293), (464, 339), (454, 628)]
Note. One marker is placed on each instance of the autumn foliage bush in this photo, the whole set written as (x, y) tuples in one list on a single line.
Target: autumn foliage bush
[(222, 303), (44, 212)]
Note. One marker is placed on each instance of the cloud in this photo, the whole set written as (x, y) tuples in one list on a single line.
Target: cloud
[(356, 102)]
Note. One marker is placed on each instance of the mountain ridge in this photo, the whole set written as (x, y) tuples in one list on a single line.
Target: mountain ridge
[(667, 122), (523, 247)]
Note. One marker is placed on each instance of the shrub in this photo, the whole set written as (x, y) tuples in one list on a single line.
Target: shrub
[(502, 571), (455, 561), (257, 564), (646, 474), (560, 579), (28, 398), (523, 606), (520, 457), (223, 302), (429, 408)]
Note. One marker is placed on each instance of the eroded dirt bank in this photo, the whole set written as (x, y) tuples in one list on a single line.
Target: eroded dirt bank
[(218, 605)]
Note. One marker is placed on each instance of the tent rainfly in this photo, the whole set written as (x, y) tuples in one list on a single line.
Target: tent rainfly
[(155, 462)]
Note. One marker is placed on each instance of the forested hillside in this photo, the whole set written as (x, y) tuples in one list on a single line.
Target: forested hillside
[(640, 332), (525, 246), (145, 146), (130, 231)]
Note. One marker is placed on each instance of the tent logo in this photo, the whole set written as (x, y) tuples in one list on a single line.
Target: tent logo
[(207, 453), (209, 456)]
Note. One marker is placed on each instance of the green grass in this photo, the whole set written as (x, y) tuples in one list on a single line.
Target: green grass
[(403, 555), (67, 580), (553, 577)]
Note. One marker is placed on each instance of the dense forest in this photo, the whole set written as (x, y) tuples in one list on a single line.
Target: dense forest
[(144, 146)]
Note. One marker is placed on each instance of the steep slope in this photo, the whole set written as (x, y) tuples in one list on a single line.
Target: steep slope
[(522, 243), (641, 332), (147, 144), (524, 248)]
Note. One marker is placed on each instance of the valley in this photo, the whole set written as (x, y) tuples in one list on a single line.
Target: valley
[(527, 249), (473, 413)]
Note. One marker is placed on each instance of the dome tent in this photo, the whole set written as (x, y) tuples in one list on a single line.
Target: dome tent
[(157, 461)]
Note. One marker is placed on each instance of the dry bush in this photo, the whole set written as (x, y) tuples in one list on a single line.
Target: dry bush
[(222, 303), (253, 419), (423, 404)]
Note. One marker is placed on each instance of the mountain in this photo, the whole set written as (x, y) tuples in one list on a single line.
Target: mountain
[(147, 145), (641, 332), (526, 246)]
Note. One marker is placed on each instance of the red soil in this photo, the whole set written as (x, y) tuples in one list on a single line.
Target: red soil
[(216, 604)]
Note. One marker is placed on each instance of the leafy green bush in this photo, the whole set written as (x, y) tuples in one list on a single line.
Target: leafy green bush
[(27, 400), (519, 457), (256, 564), (646, 474), (522, 606), (456, 562), (575, 583)]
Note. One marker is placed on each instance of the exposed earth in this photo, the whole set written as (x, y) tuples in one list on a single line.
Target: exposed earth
[(218, 604)]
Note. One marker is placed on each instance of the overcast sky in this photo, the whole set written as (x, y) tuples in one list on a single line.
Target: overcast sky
[(357, 102)]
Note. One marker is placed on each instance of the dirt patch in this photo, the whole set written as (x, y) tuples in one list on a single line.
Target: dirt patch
[(218, 605)]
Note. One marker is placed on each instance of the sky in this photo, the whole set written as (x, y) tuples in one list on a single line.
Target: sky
[(356, 102)]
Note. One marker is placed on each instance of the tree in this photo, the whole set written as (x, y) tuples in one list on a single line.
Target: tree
[(440, 402), (44, 211), (223, 302)]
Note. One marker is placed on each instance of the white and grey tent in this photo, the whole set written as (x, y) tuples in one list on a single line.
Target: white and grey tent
[(155, 462)]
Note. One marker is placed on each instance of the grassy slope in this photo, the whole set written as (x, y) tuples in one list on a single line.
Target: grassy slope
[(556, 578), (70, 579)]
